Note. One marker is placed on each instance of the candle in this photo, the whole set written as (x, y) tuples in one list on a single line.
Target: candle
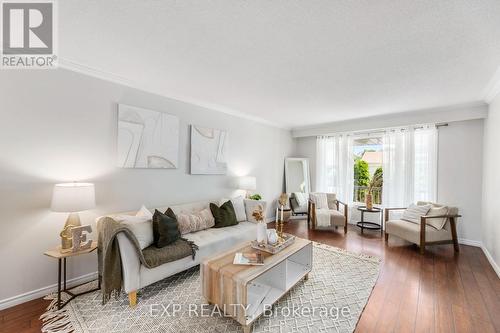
[(281, 213), (277, 214)]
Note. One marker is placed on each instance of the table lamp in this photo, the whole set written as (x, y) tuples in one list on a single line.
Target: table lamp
[(72, 198), (248, 183)]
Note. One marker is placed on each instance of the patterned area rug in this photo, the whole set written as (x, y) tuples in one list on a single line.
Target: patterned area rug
[(331, 300)]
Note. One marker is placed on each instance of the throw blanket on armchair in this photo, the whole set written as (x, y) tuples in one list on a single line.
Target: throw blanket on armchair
[(109, 260)]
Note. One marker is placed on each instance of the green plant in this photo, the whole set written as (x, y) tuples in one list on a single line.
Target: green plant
[(255, 197), (361, 173)]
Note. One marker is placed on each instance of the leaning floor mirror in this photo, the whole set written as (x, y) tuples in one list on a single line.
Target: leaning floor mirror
[(298, 184)]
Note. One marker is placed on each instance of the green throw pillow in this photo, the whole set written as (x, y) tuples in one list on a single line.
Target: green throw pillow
[(165, 228), (224, 215)]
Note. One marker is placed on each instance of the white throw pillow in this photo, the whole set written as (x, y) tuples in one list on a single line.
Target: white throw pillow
[(320, 199), (414, 212), (239, 208), (437, 211), (140, 225), (142, 228), (144, 212), (301, 198), (238, 205)]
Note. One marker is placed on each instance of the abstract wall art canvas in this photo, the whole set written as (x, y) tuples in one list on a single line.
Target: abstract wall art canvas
[(147, 138), (208, 151)]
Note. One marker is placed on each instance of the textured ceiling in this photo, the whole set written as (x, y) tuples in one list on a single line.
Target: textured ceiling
[(295, 63)]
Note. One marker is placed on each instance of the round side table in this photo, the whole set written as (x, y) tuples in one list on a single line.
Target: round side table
[(370, 225)]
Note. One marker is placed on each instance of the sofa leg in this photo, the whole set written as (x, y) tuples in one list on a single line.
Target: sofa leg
[(132, 298)]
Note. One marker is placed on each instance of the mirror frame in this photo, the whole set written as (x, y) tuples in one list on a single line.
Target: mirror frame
[(307, 174)]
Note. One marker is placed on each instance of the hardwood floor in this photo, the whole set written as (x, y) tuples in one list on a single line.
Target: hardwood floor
[(437, 292)]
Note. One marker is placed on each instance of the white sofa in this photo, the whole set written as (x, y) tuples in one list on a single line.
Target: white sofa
[(210, 242)]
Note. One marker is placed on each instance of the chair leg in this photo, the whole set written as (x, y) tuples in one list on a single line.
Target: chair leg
[(386, 237), (132, 298), (422, 235), (454, 234)]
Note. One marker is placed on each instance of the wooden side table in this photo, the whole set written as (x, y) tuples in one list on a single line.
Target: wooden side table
[(61, 280)]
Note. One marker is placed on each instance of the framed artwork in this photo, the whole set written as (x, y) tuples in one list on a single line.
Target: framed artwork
[(147, 138), (208, 151)]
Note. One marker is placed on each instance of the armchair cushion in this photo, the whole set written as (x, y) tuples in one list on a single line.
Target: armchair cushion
[(301, 198), (332, 200), (320, 200), (437, 211), (411, 231), (329, 217), (414, 212)]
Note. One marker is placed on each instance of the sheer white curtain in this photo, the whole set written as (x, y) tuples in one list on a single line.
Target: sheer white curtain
[(335, 165), (410, 165)]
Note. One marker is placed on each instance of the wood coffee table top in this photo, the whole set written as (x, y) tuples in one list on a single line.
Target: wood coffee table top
[(225, 284), (223, 263)]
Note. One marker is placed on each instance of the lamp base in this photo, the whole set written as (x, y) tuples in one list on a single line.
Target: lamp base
[(73, 220)]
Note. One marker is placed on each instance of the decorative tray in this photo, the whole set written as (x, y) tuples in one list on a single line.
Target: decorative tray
[(273, 249)]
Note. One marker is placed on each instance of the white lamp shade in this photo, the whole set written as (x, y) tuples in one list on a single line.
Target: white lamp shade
[(248, 183), (73, 197)]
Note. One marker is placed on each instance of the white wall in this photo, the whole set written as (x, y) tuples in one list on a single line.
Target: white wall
[(459, 171), (58, 126), (491, 185)]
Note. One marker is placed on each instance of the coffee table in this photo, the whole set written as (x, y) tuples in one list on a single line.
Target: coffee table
[(245, 292)]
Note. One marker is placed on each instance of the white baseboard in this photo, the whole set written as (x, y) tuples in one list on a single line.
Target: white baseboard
[(470, 242), (493, 264), (31, 295)]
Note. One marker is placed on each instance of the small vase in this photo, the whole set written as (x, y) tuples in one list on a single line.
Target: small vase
[(369, 201), (272, 236), (261, 233)]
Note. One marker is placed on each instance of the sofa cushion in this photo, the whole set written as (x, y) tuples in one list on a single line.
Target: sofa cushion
[(195, 221), (165, 228), (144, 212), (140, 226), (238, 205), (224, 215), (210, 242)]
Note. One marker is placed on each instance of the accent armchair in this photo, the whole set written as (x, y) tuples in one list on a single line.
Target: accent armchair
[(424, 234), (298, 203), (326, 213)]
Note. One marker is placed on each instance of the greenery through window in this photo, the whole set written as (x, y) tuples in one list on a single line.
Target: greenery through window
[(368, 167)]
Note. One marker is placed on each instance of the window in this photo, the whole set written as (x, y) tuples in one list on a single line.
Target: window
[(368, 159)]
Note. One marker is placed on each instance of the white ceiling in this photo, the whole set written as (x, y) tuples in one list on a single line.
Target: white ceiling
[(289, 62)]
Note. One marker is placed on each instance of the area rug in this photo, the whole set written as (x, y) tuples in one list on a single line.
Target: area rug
[(331, 300)]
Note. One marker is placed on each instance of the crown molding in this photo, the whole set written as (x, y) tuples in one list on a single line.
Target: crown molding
[(114, 78), (493, 88), (450, 113)]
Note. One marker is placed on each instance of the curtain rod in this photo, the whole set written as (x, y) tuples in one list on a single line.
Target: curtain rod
[(383, 130)]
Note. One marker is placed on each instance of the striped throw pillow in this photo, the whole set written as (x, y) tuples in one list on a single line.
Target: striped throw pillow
[(414, 212)]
